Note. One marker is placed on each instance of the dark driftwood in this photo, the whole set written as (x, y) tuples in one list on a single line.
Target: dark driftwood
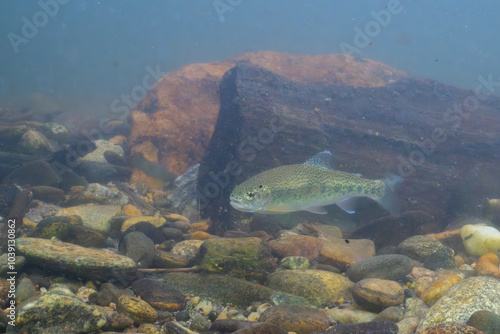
[(420, 129)]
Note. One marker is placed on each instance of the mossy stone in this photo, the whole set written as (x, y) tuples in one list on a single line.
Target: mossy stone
[(248, 258)]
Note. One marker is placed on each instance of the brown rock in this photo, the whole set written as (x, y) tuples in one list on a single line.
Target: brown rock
[(487, 265), (296, 245), (179, 113), (200, 235), (169, 260), (203, 225), (317, 286), (131, 211), (159, 295), (376, 294), (341, 253), (296, 319)]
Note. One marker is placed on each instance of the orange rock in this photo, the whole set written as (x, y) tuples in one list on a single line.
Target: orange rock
[(178, 114), (131, 211), (175, 217), (341, 253), (296, 245), (203, 225), (200, 235), (487, 265), (439, 287)]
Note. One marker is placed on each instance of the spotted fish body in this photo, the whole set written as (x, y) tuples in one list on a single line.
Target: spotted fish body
[(310, 186)]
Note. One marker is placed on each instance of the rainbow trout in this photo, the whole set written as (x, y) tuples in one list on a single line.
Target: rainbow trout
[(310, 186)]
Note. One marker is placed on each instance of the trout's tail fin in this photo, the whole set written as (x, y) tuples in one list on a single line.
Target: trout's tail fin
[(389, 200)]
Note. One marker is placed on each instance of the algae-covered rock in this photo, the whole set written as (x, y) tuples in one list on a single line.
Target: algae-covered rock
[(429, 251), (59, 311), (463, 299), (248, 258), (68, 229), (295, 262), (105, 219), (136, 309), (227, 289), (317, 286), (75, 260)]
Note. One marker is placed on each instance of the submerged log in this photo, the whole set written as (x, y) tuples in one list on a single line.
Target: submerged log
[(444, 141)]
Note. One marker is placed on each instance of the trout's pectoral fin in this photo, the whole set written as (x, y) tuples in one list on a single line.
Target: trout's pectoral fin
[(317, 209), (348, 205)]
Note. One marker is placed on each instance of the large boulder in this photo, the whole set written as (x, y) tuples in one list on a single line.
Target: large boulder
[(174, 123), (415, 128)]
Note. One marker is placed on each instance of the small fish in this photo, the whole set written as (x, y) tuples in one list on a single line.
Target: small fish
[(310, 186)]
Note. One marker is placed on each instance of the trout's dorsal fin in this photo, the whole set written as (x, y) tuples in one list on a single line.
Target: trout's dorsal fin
[(322, 159)]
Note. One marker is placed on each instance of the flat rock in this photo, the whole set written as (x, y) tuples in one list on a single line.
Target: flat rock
[(296, 245), (248, 258), (463, 299), (298, 319), (227, 289), (68, 229), (317, 286), (99, 194), (168, 260), (59, 311), (75, 260), (377, 294), (379, 327), (392, 267), (105, 219), (341, 253), (159, 295)]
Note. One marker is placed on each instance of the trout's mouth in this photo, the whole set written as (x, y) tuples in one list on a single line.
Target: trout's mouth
[(240, 206)]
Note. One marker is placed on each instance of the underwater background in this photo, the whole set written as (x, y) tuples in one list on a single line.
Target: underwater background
[(249, 166)]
